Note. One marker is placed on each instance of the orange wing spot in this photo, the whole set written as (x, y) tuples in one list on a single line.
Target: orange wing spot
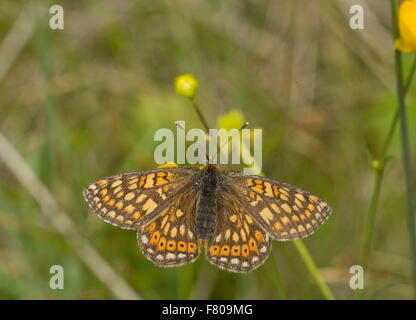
[(311, 207), (298, 203), (129, 209), (137, 215), (102, 183), (106, 198), (308, 213), (140, 198), (285, 191), (295, 219), (286, 207), (182, 246), (155, 237), (275, 191), (253, 245), (249, 219), (116, 183), (150, 227), (170, 176), (257, 181), (276, 208), (258, 188), (103, 192), (191, 247), (119, 205), (171, 246), (249, 182), (149, 181), (259, 236), (111, 202), (277, 226), (235, 251), (133, 179), (214, 250), (300, 196), (132, 186), (142, 180), (160, 182), (302, 217), (116, 190), (129, 196), (252, 195), (149, 206), (245, 251), (268, 191), (120, 194), (314, 199), (284, 197), (285, 220), (162, 244), (161, 174), (225, 250)]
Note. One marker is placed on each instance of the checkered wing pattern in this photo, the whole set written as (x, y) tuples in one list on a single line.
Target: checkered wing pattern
[(171, 240), (132, 200), (285, 212), (239, 244)]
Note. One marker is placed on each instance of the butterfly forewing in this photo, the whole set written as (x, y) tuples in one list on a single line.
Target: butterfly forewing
[(133, 199), (163, 204), (285, 212)]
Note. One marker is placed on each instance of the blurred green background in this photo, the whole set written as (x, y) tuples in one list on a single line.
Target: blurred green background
[(84, 102)]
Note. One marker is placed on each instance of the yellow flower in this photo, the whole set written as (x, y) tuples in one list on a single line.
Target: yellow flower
[(407, 27), (186, 85), (232, 120)]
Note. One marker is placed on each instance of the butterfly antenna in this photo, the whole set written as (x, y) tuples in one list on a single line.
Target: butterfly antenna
[(178, 125), (245, 125)]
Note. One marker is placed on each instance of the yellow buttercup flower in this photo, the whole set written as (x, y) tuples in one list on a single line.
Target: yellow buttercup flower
[(407, 27), (186, 85), (232, 120)]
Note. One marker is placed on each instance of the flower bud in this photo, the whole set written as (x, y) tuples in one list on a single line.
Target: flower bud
[(186, 85)]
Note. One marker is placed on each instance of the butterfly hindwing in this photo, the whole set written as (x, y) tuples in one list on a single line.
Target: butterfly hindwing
[(170, 239), (131, 200), (285, 212), (238, 244)]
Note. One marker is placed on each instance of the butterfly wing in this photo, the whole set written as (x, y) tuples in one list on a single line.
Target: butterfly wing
[(238, 244), (132, 200), (285, 212), (170, 239)]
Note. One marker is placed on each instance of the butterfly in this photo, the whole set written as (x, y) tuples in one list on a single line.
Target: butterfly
[(178, 211)]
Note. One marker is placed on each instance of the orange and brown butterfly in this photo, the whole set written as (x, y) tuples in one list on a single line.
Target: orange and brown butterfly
[(177, 211)]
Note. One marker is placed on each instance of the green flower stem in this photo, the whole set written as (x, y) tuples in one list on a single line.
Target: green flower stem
[(369, 226), (303, 251), (405, 149), (200, 115), (407, 165), (410, 76), (310, 264)]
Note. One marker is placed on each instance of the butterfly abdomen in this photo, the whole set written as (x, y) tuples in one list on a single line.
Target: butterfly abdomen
[(206, 215)]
